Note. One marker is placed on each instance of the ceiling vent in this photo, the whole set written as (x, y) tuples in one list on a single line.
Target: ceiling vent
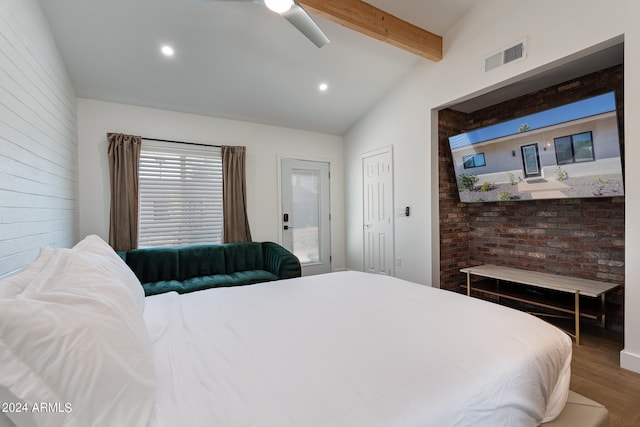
[(509, 54)]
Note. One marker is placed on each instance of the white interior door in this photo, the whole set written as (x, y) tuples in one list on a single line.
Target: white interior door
[(377, 172), (305, 222)]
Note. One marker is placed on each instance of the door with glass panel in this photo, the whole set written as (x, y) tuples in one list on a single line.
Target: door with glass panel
[(531, 160), (305, 222)]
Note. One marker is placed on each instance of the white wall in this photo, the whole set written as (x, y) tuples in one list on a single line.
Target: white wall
[(396, 121), (406, 118), (38, 154), (264, 145)]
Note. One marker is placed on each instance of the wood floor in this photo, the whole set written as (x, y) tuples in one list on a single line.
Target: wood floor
[(596, 374)]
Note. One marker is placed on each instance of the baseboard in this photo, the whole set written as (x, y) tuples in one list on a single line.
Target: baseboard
[(630, 361)]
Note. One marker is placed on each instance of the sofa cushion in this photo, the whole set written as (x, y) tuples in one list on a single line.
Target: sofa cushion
[(206, 282), (243, 256), (201, 260), (162, 286), (250, 277), (154, 264)]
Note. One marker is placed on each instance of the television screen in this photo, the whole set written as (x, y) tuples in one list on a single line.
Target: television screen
[(568, 151)]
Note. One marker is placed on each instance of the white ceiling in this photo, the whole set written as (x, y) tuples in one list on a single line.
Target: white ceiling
[(234, 60)]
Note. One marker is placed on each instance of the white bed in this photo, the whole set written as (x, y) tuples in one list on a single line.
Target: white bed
[(351, 349), (80, 346)]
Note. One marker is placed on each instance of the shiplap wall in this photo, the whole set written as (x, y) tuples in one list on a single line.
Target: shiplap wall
[(38, 142)]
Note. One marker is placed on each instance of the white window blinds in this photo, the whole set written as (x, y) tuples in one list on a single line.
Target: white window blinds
[(180, 194)]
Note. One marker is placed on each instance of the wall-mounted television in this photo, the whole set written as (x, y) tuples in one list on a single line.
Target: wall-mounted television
[(567, 151)]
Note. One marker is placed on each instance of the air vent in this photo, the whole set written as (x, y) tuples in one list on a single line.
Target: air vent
[(510, 54), (492, 62)]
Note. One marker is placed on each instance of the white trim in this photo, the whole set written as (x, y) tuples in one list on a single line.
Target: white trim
[(630, 361), (435, 207), (387, 149), (279, 221)]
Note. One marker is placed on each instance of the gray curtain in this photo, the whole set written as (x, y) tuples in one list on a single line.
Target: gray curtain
[(124, 163), (234, 195)]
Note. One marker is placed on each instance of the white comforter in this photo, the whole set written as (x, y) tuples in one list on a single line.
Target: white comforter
[(351, 349)]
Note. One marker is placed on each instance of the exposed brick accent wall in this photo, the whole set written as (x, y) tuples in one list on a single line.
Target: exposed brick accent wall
[(575, 237), (454, 216)]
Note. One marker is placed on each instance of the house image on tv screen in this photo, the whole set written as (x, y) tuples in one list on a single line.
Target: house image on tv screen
[(569, 151)]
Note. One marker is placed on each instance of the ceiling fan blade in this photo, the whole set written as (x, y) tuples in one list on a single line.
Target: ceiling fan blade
[(303, 22), (297, 16)]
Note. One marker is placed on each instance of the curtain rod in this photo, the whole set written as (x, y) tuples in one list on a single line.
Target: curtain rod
[(181, 142)]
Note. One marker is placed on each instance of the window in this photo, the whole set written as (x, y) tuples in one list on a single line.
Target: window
[(180, 194), (474, 161), (574, 148)]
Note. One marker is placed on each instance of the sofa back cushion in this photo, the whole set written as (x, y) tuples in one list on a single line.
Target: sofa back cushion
[(154, 264), (243, 256), (201, 260)]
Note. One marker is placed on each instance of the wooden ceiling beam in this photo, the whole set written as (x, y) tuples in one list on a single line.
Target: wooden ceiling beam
[(367, 19)]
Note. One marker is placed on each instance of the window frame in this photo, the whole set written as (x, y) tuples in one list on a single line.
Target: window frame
[(465, 159), (573, 148)]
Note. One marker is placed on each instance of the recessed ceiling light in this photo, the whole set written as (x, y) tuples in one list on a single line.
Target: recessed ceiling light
[(167, 50), (323, 87)]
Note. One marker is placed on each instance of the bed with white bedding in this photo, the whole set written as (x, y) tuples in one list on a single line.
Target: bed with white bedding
[(80, 346), (351, 349)]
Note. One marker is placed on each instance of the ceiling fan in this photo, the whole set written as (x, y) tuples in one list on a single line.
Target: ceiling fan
[(296, 15)]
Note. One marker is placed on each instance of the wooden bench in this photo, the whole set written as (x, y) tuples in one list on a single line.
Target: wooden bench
[(592, 289)]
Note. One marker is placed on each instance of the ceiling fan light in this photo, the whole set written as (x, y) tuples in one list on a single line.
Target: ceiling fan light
[(167, 50), (279, 6)]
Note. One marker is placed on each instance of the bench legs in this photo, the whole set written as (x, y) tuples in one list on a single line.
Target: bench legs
[(576, 312), (577, 315)]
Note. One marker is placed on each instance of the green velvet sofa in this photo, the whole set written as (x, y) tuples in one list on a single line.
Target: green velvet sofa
[(193, 268)]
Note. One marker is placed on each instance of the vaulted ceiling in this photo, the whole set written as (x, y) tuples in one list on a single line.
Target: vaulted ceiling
[(239, 60)]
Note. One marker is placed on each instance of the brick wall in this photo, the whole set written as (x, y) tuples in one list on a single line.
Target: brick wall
[(454, 216), (575, 237)]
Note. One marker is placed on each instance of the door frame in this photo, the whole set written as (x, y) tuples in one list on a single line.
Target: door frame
[(279, 221), (363, 156)]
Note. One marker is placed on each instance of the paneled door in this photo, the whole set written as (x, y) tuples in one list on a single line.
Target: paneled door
[(377, 170), (306, 221)]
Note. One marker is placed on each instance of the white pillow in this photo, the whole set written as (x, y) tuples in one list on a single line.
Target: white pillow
[(75, 340), (13, 285), (107, 258), (10, 287)]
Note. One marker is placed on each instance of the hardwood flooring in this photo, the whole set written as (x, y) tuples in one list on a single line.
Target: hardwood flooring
[(596, 374)]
